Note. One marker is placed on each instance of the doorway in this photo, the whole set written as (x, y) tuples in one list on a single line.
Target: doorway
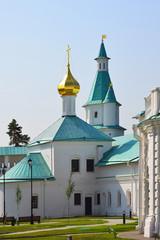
[(88, 205)]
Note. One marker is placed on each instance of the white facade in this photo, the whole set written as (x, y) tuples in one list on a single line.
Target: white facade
[(149, 207), (110, 114)]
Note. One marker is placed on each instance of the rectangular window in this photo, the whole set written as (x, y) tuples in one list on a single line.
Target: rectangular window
[(34, 201), (75, 165), (98, 199), (77, 199), (90, 165)]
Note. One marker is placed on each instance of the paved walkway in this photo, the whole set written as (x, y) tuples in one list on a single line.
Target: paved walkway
[(133, 235)]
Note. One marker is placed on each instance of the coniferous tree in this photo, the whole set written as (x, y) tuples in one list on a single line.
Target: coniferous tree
[(15, 133)]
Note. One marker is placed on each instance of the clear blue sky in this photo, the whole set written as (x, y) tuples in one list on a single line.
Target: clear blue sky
[(33, 38)]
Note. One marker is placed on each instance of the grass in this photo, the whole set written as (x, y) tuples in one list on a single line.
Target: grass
[(91, 232), (52, 223)]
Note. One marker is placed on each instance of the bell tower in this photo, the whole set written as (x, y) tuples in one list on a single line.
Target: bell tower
[(102, 108)]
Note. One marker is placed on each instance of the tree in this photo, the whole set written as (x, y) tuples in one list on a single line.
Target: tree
[(69, 191), (15, 133), (18, 200)]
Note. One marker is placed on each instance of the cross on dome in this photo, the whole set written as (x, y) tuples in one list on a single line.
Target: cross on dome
[(68, 54), (68, 85)]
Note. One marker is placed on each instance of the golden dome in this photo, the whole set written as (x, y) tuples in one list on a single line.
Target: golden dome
[(68, 85)]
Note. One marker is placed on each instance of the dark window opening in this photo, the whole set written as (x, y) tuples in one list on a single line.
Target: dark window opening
[(34, 201), (90, 165), (75, 165), (100, 66), (77, 199), (96, 114), (98, 199)]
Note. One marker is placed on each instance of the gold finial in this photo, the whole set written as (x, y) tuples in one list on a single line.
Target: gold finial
[(68, 55), (110, 85)]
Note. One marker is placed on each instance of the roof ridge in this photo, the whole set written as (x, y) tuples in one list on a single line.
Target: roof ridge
[(41, 134)]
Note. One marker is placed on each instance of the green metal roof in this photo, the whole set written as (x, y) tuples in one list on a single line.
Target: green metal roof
[(150, 118), (109, 127), (100, 88), (22, 172), (13, 151), (102, 51), (124, 149), (70, 128)]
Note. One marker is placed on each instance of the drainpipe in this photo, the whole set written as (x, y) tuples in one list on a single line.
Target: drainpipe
[(140, 222)]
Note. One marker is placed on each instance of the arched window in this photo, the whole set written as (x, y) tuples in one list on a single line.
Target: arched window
[(96, 114), (109, 199), (103, 65), (99, 65), (128, 198), (118, 198), (75, 165)]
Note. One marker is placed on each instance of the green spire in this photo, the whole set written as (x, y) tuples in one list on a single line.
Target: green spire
[(110, 96), (102, 51), (99, 88)]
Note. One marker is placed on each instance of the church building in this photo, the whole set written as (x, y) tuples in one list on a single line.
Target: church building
[(103, 161)]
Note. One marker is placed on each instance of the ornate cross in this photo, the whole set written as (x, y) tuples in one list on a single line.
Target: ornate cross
[(68, 54)]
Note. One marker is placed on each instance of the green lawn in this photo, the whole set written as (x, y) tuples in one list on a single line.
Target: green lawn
[(91, 232)]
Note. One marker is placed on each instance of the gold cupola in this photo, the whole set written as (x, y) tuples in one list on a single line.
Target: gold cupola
[(68, 85)]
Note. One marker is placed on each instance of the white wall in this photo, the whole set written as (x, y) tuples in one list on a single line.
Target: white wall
[(90, 111)]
